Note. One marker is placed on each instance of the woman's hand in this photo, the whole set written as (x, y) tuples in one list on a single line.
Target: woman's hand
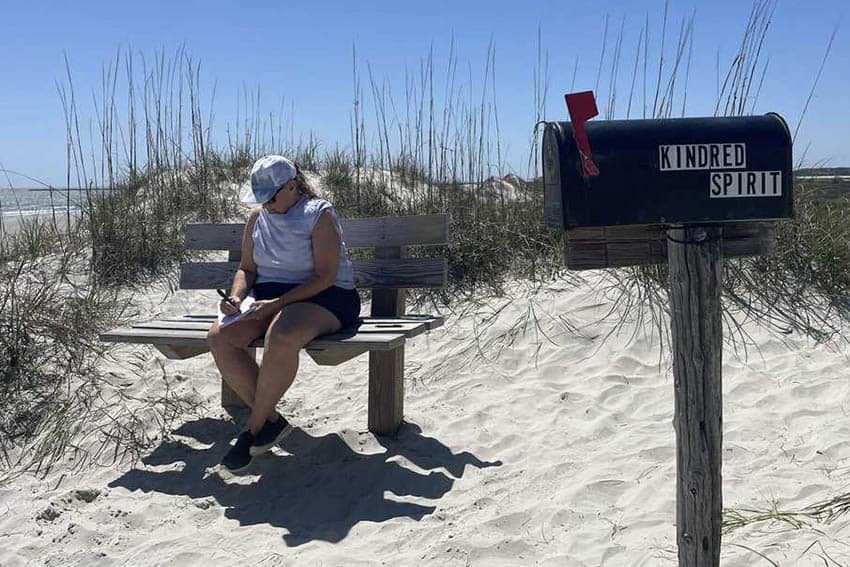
[(230, 305), (264, 308)]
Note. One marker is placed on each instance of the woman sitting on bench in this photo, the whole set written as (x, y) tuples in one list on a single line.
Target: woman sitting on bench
[(295, 264)]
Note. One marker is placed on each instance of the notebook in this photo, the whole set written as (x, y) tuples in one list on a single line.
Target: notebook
[(247, 306)]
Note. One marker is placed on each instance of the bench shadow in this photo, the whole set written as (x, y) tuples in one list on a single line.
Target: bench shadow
[(319, 491)]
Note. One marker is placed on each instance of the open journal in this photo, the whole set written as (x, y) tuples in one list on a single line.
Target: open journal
[(246, 307)]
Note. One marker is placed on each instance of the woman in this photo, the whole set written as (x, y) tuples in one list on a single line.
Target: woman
[(295, 263)]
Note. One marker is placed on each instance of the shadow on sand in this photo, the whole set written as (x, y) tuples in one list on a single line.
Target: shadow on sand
[(319, 491)]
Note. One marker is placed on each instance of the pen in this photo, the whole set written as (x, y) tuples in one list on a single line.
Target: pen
[(226, 297)]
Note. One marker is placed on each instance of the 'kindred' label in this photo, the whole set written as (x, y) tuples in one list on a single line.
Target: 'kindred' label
[(689, 157)]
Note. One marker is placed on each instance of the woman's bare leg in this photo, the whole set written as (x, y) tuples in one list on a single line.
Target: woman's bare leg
[(291, 329), (234, 358)]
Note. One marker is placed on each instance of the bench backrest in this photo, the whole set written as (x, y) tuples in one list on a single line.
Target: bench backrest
[(387, 235)]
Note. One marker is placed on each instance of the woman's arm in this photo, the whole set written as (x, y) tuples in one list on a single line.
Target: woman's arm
[(246, 273)]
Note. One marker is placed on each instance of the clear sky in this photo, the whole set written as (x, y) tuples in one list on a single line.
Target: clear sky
[(303, 51)]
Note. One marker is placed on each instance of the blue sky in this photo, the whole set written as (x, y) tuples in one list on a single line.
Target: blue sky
[(303, 52)]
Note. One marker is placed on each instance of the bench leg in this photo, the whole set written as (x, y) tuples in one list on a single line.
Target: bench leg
[(386, 391), (229, 397)]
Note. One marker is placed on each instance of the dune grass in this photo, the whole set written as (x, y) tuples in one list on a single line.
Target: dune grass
[(57, 404)]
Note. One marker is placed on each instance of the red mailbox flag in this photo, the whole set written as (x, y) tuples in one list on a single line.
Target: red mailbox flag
[(582, 107)]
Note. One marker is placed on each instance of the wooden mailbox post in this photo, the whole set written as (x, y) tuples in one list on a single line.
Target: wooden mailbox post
[(687, 192)]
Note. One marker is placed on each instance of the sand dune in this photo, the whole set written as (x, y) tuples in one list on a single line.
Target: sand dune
[(530, 441)]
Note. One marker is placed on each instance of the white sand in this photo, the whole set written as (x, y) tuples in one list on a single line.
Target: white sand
[(527, 446), (12, 224)]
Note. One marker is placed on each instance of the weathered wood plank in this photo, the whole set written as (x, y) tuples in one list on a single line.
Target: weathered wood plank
[(173, 352), (408, 328), (386, 391), (229, 397), (386, 369), (370, 341), (417, 230), (181, 325), (430, 321), (617, 246), (696, 269), (377, 273), (333, 356), (389, 302), (214, 236)]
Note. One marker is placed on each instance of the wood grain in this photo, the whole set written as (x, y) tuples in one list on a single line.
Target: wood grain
[(333, 356), (377, 273), (177, 337), (389, 302), (407, 328), (386, 391), (618, 246), (229, 397), (430, 321), (173, 352), (695, 282), (386, 369)]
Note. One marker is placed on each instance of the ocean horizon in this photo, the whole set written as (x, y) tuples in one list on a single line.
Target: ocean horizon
[(38, 201)]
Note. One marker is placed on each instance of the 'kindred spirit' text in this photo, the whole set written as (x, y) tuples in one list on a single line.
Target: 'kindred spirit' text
[(724, 156)]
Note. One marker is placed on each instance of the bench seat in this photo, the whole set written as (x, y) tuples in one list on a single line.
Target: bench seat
[(375, 333)]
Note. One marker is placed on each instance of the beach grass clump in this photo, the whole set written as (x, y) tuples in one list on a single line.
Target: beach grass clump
[(56, 400), (804, 286), (824, 511), (136, 231), (492, 243), (33, 237), (49, 322)]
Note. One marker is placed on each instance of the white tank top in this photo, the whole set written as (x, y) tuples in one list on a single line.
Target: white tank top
[(283, 244)]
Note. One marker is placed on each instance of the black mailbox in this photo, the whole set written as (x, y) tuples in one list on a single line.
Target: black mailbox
[(671, 171)]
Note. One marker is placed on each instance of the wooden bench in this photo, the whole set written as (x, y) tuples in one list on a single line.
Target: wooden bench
[(382, 334)]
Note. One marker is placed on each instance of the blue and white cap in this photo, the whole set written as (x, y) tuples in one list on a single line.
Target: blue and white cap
[(268, 175)]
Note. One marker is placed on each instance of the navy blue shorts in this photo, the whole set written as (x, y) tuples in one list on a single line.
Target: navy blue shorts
[(343, 303)]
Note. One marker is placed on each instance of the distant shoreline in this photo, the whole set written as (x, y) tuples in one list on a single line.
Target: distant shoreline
[(60, 189), (39, 212), (12, 224)]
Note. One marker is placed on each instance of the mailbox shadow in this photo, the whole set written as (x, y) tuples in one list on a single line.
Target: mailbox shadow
[(319, 491)]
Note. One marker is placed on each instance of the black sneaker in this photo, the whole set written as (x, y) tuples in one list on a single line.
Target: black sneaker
[(239, 456), (270, 435)]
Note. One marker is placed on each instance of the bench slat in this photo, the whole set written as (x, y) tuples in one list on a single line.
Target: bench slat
[(408, 329), (369, 341), (430, 322), (417, 230), (394, 273)]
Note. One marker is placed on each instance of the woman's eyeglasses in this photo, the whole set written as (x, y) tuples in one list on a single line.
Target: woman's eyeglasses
[(271, 201)]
